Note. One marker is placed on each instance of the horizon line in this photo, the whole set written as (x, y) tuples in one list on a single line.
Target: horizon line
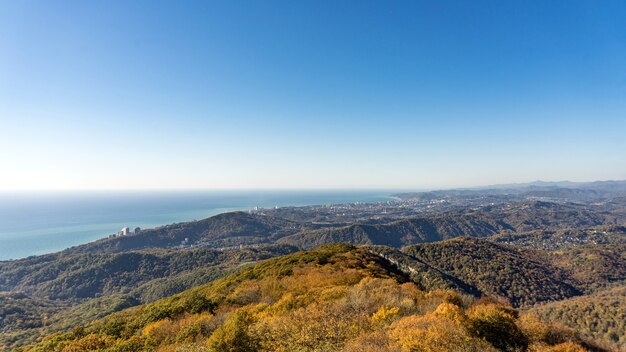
[(312, 189)]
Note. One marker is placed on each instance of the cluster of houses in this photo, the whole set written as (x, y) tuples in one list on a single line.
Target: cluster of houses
[(125, 231)]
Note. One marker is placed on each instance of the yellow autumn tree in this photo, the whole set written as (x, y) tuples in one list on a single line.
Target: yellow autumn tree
[(434, 332), (234, 335)]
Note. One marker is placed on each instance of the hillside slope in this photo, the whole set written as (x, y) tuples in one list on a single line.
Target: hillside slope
[(519, 276), (480, 222), (334, 298), (77, 276), (593, 266), (402, 232), (54, 292), (601, 315), (564, 238), (220, 231)]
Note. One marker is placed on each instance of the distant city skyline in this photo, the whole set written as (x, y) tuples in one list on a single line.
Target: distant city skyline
[(310, 95)]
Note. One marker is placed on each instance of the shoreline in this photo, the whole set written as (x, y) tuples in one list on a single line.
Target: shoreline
[(23, 242)]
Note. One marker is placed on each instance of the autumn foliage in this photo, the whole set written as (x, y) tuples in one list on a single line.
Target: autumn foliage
[(334, 298)]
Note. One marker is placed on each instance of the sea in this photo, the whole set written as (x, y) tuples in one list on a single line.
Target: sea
[(45, 222)]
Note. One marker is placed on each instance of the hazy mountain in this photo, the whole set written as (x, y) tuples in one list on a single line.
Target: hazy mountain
[(562, 191)]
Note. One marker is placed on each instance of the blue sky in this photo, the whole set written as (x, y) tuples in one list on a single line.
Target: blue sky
[(310, 94)]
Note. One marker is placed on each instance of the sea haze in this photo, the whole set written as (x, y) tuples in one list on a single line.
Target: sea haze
[(35, 223)]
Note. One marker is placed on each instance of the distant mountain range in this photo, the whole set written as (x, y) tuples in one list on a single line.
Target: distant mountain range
[(563, 190)]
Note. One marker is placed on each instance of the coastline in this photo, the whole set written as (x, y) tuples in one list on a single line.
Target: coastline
[(65, 221)]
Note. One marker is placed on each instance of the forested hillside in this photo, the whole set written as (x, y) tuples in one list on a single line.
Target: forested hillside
[(56, 292), (402, 232), (518, 276), (61, 276), (239, 228), (334, 298), (522, 253), (425, 276), (220, 231), (601, 315), (480, 222), (593, 266), (525, 276), (63, 291)]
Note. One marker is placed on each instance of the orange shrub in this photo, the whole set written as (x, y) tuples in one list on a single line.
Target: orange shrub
[(496, 324), (431, 333)]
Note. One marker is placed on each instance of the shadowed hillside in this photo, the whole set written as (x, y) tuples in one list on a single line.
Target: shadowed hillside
[(498, 270)]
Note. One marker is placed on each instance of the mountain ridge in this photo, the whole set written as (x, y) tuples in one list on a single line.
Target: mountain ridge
[(336, 297)]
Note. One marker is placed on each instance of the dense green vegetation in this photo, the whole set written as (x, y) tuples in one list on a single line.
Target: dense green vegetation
[(20, 311), (334, 298), (525, 277), (26, 317), (61, 276), (601, 315), (476, 267)]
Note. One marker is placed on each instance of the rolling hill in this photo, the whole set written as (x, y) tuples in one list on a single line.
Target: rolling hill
[(220, 231), (520, 277), (56, 292), (564, 238), (79, 276), (480, 222), (525, 253), (334, 298), (600, 315)]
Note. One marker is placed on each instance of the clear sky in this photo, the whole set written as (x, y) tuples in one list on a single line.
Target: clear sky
[(310, 94)]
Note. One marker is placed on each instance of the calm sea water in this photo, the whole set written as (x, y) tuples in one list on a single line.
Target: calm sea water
[(32, 224)]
